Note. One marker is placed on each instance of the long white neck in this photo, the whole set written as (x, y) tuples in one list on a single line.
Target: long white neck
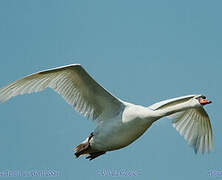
[(172, 109), (171, 106)]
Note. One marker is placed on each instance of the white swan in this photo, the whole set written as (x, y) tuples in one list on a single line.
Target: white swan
[(118, 123)]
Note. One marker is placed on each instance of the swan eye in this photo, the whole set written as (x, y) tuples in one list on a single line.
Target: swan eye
[(203, 97)]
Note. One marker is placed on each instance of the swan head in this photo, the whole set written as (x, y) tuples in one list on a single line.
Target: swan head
[(202, 100)]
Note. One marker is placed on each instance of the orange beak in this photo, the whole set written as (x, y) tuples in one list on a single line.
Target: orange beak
[(204, 101)]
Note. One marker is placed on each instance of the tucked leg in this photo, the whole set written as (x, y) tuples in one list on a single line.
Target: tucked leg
[(82, 148), (95, 155)]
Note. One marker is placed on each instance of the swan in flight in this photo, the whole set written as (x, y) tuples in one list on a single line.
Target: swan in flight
[(119, 123)]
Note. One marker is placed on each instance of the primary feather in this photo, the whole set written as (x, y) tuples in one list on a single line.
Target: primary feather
[(194, 125)]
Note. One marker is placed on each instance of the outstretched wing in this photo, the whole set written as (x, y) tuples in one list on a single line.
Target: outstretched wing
[(194, 125), (74, 84)]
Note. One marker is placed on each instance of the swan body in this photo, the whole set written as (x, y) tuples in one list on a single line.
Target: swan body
[(122, 130), (119, 123)]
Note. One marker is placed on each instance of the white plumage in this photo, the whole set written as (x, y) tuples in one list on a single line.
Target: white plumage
[(118, 123), (194, 125)]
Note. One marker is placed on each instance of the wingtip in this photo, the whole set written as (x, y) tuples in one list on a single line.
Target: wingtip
[(195, 150), (2, 100)]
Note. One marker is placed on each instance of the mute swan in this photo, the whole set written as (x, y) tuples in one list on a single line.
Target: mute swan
[(119, 123)]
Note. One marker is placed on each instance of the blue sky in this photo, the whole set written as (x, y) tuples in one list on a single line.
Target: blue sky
[(141, 51)]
